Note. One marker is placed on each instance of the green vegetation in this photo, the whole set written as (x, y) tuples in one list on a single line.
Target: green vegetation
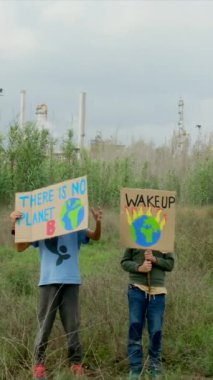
[(29, 160), (187, 350)]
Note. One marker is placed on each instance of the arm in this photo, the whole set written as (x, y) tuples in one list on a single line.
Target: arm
[(131, 266), (96, 234), (166, 262), (20, 247)]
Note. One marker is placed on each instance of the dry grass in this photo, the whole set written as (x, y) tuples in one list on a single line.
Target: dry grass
[(187, 336), (5, 235)]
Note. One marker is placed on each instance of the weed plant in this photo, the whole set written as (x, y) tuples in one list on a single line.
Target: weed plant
[(187, 346)]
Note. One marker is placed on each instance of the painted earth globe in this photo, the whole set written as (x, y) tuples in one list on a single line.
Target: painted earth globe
[(72, 213), (145, 231)]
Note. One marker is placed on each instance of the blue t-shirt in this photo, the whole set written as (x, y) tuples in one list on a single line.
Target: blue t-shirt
[(59, 257)]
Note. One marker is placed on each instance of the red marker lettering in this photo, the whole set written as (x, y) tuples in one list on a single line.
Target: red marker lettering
[(50, 227)]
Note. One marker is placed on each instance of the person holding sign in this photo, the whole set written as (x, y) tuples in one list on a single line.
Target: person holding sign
[(146, 298), (59, 290)]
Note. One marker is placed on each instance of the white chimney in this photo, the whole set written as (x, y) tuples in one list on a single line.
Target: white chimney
[(22, 108), (41, 116), (82, 119)]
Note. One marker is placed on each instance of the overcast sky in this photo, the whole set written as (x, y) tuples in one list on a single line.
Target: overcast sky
[(134, 59)]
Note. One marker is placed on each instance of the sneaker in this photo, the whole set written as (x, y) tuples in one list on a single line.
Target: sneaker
[(155, 373), (39, 372), (77, 370), (155, 376), (134, 376)]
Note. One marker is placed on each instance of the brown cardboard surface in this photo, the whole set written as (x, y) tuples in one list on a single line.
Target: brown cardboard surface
[(147, 219), (52, 211)]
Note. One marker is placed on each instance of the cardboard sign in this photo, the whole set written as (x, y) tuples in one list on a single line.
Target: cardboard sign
[(147, 219), (52, 211)]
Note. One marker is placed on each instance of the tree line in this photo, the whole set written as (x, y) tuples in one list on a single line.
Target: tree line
[(29, 160)]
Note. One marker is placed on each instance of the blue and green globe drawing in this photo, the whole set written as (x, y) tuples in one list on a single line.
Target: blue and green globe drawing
[(72, 213), (145, 231)]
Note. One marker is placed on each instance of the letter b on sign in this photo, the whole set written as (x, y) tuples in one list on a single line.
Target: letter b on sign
[(50, 227)]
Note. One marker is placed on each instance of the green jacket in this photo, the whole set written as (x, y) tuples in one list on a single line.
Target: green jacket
[(133, 258)]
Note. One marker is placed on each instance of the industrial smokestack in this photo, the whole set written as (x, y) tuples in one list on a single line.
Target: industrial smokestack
[(22, 107), (82, 119), (41, 116)]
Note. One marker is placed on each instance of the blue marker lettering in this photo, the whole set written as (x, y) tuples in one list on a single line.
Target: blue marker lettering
[(79, 187), (46, 214), (33, 200), (51, 195), (45, 197), (75, 188), (83, 186), (35, 219), (23, 199), (28, 224), (41, 216), (51, 212), (39, 199), (19, 221), (62, 192)]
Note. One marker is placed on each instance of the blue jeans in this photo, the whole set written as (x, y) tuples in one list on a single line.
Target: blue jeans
[(142, 307)]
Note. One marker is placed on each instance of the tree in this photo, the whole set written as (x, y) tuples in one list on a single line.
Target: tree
[(27, 152)]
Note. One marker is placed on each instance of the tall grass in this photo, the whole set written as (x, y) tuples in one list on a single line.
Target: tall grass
[(28, 161), (187, 349)]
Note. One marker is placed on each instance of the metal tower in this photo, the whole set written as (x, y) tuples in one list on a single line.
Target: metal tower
[(182, 134), (41, 113), (22, 115)]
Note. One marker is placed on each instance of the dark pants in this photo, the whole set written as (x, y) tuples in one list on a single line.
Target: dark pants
[(64, 298), (142, 307)]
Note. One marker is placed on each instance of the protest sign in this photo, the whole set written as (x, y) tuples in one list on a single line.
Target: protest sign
[(147, 219), (52, 211)]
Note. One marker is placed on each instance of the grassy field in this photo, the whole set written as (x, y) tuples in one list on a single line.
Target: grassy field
[(187, 349)]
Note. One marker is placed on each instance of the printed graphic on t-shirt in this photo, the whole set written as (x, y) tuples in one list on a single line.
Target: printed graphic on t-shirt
[(52, 246)]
